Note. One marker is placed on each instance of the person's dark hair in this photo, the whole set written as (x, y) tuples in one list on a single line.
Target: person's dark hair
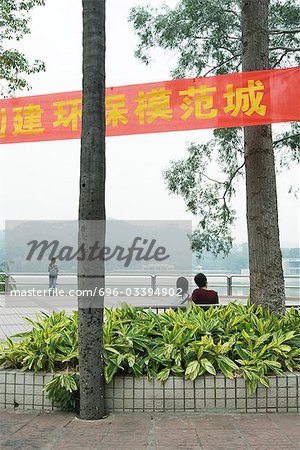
[(53, 260), (200, 280), (182, 285)]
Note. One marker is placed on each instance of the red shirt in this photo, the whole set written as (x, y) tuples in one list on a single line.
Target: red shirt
[(202, 296)]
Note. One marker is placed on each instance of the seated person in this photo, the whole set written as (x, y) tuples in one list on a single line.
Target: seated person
[(182, 291), (202, 295)]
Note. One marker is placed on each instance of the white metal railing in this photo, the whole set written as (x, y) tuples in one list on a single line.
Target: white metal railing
[(227, 285)]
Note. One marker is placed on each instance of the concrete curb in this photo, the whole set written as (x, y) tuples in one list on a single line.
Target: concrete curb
[(25, 390)]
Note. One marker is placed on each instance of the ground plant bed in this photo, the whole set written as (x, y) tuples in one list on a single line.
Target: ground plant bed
[(233, 358)]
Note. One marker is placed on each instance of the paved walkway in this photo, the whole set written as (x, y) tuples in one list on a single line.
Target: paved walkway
[(131, 431)]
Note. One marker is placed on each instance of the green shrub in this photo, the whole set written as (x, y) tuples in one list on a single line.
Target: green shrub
[(2, 282), (63, 390), (236, 340), (5, 266), (51, 344)]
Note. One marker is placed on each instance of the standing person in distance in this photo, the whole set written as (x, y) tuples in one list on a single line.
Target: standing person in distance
[(202, 295), (53, 273)]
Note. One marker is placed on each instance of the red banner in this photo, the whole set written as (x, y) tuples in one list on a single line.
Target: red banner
[(222, 101)]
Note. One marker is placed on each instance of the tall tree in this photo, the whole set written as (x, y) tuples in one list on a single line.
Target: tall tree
[(92, 210), (14, 25), (265, 262), (206, 37)]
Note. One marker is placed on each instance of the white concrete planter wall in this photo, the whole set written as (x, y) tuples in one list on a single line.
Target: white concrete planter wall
[(24, 390), (205, 393)]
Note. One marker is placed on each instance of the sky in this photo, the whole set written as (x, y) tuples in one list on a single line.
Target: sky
[(40, 181)]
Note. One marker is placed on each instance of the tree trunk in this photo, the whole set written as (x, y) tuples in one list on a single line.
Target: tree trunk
[(92, 211), (265, 260)]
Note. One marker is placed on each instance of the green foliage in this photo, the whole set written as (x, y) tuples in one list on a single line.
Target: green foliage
[(63, 390), (207, 36), (2, 282), (15, 18), (51, 344), (236, 340), (205, 197), (206, 39), (5, 266)]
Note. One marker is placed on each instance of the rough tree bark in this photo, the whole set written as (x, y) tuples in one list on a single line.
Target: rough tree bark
[(92, 210), (265, 259)]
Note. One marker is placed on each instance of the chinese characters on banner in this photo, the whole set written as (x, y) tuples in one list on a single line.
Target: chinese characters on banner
[(223, 101)]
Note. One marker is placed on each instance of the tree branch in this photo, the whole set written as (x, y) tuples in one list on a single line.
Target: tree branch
[(231, 179), (279, 60), (205, 38), (296, 30), (228, 50), (231, 11), (211, 179), (286, 138), (228, 184), (287, 49), (220, 65)]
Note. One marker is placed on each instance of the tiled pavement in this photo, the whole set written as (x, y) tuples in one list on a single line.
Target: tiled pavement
[(131, 431), (12, 318)]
